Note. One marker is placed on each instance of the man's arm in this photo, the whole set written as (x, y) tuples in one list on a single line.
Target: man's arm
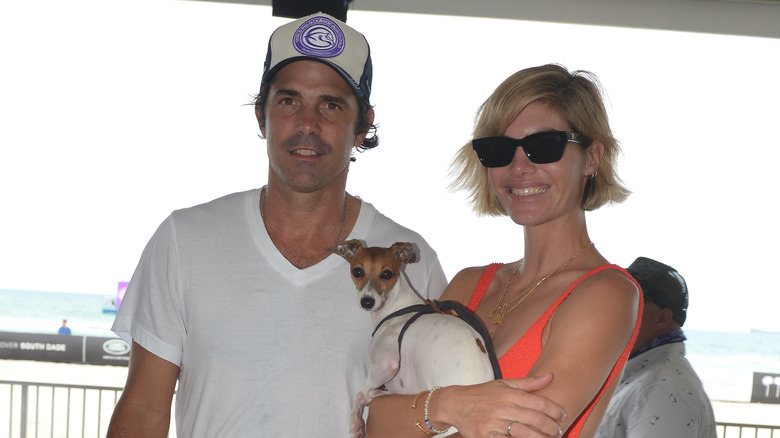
[(144, 409)]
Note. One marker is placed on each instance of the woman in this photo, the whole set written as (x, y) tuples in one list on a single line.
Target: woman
[(543, 153)]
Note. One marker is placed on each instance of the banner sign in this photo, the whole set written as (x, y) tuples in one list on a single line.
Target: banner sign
[(63, 348), (766, 388)]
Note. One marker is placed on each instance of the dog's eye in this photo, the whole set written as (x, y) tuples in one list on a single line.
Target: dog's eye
[(386, 275), (358, 272)]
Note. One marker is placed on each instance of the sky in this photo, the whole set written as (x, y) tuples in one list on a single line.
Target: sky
[(116, 112)]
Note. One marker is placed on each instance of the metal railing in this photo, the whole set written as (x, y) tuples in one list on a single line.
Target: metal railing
[(736, 430), (29, 409)]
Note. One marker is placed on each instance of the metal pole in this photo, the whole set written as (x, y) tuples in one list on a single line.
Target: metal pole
[(23, 422)]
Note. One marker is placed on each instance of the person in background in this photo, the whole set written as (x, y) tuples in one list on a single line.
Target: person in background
[(660, 394), (542, 154), (239, 300), (64, 330)]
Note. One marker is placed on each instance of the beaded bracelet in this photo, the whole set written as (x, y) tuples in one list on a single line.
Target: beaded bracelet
[(427, 422), (424, 430), (414, 406)]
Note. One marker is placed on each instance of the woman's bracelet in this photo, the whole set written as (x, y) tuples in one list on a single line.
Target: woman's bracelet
[(428, 430)]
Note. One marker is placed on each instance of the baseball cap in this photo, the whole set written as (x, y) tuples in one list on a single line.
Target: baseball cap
[(321, 37), (662, 285)]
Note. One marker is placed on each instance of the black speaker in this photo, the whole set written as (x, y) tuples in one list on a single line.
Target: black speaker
[(302, 8)]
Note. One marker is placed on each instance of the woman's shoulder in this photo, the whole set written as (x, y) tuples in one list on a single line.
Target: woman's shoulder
[(607, 285), (476, 271), (606, 275), (466, 281), (474, 274), (607, 292)]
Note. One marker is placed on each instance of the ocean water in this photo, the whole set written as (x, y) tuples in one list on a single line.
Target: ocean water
[(751, 351), (43, 312)]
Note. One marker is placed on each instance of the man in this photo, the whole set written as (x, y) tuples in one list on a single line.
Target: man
[(64, 330), (660, 394), (239, 300)]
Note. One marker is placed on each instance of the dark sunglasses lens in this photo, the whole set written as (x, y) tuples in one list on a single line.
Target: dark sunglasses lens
[(540, 148), (495, 151), (545, 147)]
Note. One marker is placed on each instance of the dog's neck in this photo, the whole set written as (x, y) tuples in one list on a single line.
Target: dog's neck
[(399, 297)]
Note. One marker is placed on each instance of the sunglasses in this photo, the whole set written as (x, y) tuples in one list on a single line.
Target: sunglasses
[(540, 148)]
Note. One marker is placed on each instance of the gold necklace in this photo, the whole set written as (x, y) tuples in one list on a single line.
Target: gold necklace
[(497, 314), (341, 228)]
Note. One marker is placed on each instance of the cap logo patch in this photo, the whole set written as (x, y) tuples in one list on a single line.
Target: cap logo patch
[(320, 37)]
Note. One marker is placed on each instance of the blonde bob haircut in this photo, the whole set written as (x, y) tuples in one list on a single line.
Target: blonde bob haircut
[(577, 97)]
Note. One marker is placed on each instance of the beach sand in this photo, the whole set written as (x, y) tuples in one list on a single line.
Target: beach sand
[(730, 392), (63, 373)]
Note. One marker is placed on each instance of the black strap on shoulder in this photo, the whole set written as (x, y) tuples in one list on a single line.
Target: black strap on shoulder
[(433, 306)]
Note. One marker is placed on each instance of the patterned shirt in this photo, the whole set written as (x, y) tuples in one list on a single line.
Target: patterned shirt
[(659, 395)]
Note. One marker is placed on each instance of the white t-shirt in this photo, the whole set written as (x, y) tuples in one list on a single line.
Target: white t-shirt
[(264, 348), (660, 395)]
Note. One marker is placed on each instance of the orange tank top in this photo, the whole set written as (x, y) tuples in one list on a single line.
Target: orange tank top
[(519, 360)]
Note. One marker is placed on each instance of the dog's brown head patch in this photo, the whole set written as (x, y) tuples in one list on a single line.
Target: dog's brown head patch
[(375, 266)]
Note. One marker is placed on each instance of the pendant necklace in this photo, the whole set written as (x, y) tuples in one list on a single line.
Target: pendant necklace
[(497, 314)]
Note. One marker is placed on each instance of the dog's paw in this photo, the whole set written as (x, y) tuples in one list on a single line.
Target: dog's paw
[(356, 428), (356, 423), (374, 393)]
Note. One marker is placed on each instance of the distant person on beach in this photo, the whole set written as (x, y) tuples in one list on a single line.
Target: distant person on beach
[(64, 330), (660, 394), (239, 299)]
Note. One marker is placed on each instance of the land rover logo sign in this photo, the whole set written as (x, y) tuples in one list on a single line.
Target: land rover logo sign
[(117, 347)]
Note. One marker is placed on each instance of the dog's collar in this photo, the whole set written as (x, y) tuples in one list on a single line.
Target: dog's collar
[(421, 309)]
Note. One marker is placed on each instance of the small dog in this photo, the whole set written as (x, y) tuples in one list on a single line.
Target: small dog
[(439, 349)]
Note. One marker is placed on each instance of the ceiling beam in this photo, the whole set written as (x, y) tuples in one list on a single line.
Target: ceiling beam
[(758, 18)]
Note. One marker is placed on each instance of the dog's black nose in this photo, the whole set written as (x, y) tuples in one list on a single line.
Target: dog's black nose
[(367, 303)]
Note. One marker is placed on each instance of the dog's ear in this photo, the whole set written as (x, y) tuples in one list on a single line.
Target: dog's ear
[(348, 249), (404, 252)]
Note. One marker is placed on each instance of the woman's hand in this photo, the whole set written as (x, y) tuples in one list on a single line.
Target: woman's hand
[(478, 411)]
